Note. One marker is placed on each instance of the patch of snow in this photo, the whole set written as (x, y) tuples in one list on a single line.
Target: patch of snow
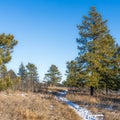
[(23, 95), (51, 107), (82, 112)]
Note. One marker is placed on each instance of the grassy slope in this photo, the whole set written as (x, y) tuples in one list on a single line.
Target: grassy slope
[(91, 102), (30, 106)]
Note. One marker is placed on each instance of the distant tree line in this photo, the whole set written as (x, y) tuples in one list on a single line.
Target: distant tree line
[(27, 78), (30, 79)]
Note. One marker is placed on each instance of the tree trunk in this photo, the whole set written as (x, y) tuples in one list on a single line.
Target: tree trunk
[(91, 90), (107, 90)]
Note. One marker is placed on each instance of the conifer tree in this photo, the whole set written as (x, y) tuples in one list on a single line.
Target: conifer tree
[(23, 76), (32, 75), (53, 75), (71, 73), (7, 43), (12, 74), (32, 72), (98, 51), (22, 72), (74, 74), (3, 71)]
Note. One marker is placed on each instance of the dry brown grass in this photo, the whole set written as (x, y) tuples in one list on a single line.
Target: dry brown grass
[(92, 102), (84, 99), (28, 106), (54, 88)]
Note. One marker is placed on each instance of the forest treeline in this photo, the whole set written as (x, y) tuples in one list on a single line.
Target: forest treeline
[(97, 65)]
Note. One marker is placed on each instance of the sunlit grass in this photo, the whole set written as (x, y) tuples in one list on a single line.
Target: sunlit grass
[(29, 106), (92, 102)]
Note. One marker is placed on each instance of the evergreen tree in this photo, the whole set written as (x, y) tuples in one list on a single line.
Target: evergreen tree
[(117, 70), (32, 75), (23, 75), (8, 80), (71, 73), (22, 72), (32, 72), (12, 74), (13, 79), (3, 71), (98, 51), (74, 74), (53, 75), (7, 43)]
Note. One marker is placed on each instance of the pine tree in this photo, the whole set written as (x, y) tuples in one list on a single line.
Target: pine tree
[(74, 74), (7, 43), (9, 79), (3, 71), (12, 74), (117, 69), (97, 49), (23, 75), (71, 79), (32, 75), (22, 72), (107, 60), (32, 72), (53, 75)]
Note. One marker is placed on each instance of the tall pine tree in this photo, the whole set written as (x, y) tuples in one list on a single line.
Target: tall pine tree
[(98, 51)]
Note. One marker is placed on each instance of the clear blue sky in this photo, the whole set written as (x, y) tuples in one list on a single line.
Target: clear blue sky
[(46, 29)]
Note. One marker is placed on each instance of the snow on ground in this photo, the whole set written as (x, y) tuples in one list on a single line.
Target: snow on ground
[(83, 112)]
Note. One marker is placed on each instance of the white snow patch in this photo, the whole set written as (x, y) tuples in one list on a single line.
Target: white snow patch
[(83, 112)]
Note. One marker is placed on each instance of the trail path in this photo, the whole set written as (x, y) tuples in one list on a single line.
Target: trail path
[(82, 112)]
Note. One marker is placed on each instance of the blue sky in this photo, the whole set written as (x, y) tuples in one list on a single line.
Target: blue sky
[(46, 29)]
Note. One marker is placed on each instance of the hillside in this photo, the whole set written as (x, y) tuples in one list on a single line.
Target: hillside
[(31, 106)]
